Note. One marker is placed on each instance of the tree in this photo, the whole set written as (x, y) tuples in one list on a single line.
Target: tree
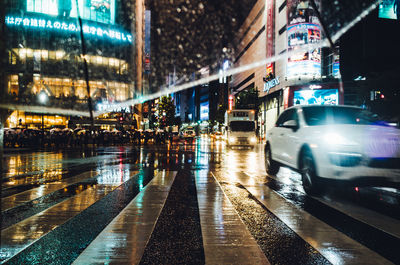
[(220, 115), (166, 112), (247, 99)]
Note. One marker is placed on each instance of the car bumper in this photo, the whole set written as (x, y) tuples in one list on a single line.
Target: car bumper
[(360, 174)]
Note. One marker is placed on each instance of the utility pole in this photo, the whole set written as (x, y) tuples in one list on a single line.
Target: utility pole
[(3, 90), (86, 70)]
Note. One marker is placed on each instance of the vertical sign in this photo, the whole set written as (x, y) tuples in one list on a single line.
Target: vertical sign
[(303, 28), (147, 25), (230, 102), (270, 26)]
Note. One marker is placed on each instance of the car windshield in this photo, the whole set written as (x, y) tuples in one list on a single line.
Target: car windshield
[(323, 115), (242, 126)]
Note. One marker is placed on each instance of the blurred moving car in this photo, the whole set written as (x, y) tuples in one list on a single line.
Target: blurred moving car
[(342, 143), (188, 133)]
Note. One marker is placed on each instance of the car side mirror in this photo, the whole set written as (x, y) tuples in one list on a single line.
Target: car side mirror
[(291, 124)]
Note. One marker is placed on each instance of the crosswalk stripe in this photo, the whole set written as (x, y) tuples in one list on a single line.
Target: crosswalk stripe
[(226, 239), (19, 236), (331, 243), (125, 238), (372, 218), (32, 194)]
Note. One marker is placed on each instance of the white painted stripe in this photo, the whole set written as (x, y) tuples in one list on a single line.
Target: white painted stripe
[(375, 219), (331, 243), (45, 189), (124, 240), (226, 239)]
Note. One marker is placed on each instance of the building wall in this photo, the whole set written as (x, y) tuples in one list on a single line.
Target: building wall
[(251, 48), (50, 60)]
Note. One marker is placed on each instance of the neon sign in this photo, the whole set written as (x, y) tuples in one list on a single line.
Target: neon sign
[(270, 84), (66, 26)]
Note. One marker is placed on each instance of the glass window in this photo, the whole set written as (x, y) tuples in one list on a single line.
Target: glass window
[(52, 55), (288, 115), (242, 126), (315, 116), (323, 115)]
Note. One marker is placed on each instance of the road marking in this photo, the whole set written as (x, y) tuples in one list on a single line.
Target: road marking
[(226, 239), (372, 218), (35, 193), (17, 237), (125, 238), (331, 243)]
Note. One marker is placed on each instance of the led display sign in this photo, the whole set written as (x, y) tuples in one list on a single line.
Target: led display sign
[(204, 111), (389, 9), (68, 26), (305, 62), (316, 97), (303, 28), (102, 11)]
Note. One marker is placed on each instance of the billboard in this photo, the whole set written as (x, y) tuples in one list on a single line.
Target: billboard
[(303, 28), (204, 111), (147, 35), (316, 97), (56, 24), (389, 9), (102, 11)]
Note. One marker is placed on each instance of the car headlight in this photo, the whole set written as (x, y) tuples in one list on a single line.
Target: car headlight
[(337, 139), (232, 139), (253, 140)]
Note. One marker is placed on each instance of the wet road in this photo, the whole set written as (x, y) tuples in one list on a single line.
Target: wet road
[(188, 203)]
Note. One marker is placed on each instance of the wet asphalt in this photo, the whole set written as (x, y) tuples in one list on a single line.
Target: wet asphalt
[(177, 237)]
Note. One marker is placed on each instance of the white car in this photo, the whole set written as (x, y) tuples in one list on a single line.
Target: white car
[(340, 143)]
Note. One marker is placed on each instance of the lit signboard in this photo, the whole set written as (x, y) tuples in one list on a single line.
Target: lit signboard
[(147, 36), (303, 28), (230, 102), (316, 97), (69, 26), (102, 11), (389, 9), (270, 84), (304, 62), (204, 111)]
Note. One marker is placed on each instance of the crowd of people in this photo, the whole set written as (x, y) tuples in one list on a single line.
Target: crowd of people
[(34, 138)]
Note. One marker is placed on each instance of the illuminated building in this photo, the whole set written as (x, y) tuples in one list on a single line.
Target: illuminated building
[(45, 58), (277, 29)]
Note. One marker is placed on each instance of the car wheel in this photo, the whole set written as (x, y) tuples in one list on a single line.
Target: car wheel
[(309, 176), (271, 166)]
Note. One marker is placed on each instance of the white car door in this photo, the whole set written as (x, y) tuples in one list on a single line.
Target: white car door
[(290, 138), (277, 139)]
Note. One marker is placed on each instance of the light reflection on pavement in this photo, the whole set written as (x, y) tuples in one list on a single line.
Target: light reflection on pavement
[(46, 172)]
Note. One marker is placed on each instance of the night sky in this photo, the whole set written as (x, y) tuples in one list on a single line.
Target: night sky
[(192, 34)]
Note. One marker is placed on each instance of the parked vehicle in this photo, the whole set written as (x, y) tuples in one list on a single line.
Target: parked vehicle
[(341, 143)]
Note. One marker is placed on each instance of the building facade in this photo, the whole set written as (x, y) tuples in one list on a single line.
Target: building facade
[(274, 35), (46, 59)]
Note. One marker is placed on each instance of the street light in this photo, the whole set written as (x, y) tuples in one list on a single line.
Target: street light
[(43, 97)]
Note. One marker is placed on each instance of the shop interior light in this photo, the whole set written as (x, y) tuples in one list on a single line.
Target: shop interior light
[(43, 97)]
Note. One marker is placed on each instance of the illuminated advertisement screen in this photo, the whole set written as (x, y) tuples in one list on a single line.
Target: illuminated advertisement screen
[(102, 11), (204, 110), (316, 97), (389, 9), (303, 29), (303, 62)]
